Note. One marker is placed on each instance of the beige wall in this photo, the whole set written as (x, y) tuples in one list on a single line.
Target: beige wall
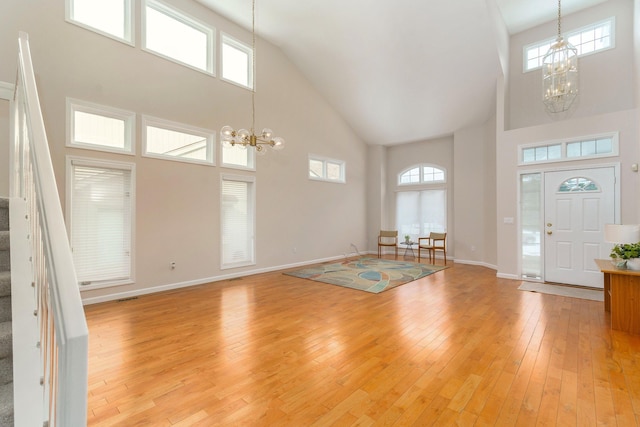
[(470, 160), (507, 172), (300, 220), (436, 151), (636, 69), (177, 207), (604, 78), (377, 213), (604, 105), (475, 195)]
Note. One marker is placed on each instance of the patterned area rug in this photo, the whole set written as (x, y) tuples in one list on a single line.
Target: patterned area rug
[(367, 274)]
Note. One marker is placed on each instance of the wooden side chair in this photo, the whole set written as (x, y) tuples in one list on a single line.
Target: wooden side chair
[(435, 242), (388, 238)]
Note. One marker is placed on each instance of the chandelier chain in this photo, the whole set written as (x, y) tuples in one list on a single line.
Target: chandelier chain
[(559, 18), (253, 65), (248, 138)]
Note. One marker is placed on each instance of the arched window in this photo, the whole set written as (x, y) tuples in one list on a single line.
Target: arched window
[(422, 174), (421, 201), (578, 184)]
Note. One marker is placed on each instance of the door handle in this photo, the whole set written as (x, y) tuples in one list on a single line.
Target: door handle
[(549, 232)]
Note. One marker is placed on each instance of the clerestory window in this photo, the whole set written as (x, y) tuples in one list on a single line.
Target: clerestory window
[(178, 37), (590, 39), (237, 62), (98, 127), (176, 141), (110, 18)]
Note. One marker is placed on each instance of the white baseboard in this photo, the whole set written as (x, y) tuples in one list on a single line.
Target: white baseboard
[(168, 287), (508, 276), (480, 263), (172, 286)]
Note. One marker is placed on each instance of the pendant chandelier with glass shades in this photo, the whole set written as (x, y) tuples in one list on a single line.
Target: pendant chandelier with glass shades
[(560, 74), (243, 137)]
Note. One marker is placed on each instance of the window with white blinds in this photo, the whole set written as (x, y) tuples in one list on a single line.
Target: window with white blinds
[(420, 212), (237, 221), (99, 214)]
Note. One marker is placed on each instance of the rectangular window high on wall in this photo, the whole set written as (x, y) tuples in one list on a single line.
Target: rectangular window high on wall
[(325, 169), (99, 216), (178, 37), (238, 157), (111, 18), (175, 141), (420, 212), (237, 62), (98, 127), (237, 221), (589, 39)]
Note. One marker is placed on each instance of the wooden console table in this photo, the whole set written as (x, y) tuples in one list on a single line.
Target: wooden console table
[(621, 296)]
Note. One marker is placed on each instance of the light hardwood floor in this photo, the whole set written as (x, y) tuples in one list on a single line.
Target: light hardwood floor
[(459, 346)]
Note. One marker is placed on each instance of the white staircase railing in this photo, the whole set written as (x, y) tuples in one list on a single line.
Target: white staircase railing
[(50, 330)]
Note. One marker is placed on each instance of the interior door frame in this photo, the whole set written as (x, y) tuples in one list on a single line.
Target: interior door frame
[(542, 172)]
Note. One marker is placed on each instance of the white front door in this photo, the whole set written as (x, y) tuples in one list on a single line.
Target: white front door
[(578, 203)]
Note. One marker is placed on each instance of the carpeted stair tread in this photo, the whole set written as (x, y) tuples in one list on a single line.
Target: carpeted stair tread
[(5, 261), (5, 308), (6, 404), (4, 240), (4, 215), (5, 283), (6, 343), (6, 370)]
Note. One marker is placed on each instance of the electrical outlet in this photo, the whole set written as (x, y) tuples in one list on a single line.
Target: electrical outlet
[(173, 265)]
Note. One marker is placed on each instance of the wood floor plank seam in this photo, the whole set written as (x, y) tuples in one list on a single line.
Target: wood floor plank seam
[(460, 346)]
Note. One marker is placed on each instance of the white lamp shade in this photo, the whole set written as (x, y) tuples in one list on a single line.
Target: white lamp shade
[(622, 233)]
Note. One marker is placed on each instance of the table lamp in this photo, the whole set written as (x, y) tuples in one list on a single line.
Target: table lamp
[(622, 233)]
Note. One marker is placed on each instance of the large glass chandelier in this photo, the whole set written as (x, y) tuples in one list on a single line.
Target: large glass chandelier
[(560, 74), (247, 138)]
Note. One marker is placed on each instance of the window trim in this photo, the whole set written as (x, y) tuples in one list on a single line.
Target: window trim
[(129, 118), (239, 45), (615, 148), (129, 24), (325, 160), (252, 201), (92, 162), (208, 134), (567, 36), (188, 20)]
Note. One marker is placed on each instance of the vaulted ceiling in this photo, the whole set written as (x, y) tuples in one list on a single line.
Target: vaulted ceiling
[(397, 70)]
